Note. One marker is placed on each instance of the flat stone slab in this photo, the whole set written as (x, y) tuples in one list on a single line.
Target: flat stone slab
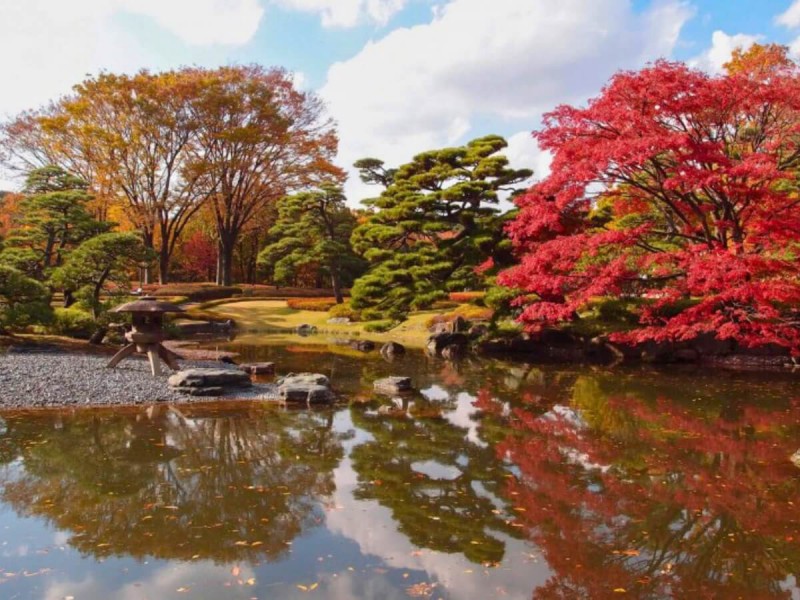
[(304, 379), (259, 368), (312, 388), (312, 394), (209, 378), (392, 385)]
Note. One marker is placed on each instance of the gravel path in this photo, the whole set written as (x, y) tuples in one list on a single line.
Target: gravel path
[(34, 379)]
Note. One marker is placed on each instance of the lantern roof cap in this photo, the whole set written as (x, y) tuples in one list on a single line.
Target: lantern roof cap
[(147, 304)]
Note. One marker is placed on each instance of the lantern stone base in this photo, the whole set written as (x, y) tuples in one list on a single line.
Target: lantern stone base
[(155, 353)]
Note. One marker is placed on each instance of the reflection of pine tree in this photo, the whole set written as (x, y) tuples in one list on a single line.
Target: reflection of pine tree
[(447, 515), (229, 486), (657, 498)]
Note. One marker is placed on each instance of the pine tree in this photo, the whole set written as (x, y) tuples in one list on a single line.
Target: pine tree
[(313, 228), (433, 225)]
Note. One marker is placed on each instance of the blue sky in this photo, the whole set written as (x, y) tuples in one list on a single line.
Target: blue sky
[(399, 76)]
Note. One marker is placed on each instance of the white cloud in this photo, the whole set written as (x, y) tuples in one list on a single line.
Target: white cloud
[(50, 45), (523, 152), (201, 22), (791, 17), (426, 86), (348, 13), (722, 46)]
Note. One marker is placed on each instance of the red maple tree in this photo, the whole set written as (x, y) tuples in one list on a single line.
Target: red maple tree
[(678, 190)]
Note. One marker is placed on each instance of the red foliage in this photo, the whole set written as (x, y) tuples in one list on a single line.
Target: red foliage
[(677, 186), (199, 254), (656, 499)]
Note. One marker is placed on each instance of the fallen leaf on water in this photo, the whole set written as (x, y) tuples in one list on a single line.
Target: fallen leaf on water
[(620, 590), (254, 544), (313, 586), (182, 590), (300, 586), (421, 590), (235, 571), (251, 581)]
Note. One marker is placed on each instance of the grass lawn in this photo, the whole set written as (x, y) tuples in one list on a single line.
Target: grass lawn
[(253, 316)]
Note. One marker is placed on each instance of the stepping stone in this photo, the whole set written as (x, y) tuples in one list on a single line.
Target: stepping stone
[(392, 385)]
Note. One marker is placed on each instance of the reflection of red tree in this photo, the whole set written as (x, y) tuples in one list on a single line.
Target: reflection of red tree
[(687, 507)]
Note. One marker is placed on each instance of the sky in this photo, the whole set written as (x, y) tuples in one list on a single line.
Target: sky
[(398, 76)]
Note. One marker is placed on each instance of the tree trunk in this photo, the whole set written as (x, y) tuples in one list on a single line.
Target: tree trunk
[(163, 266), (147, 240), (98, 335), (69, 298), (226, 245), (337, 286)]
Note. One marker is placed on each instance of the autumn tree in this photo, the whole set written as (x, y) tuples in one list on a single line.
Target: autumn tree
[(435, 222), (313, 228), (675, 188), (259, 138), (50, 219)]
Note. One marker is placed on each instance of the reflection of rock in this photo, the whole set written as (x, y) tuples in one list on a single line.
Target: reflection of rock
[(392, 385), (363, 345), (392, 349), (439, 341), (208, 382), (306, 329), (259, 368), (313, 388), (453, 352), (795, 458)]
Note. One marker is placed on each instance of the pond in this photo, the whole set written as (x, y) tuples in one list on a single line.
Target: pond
[(496, 480)]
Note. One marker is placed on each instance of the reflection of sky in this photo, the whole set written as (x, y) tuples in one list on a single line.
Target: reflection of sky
[(370, 525), (355, 552)]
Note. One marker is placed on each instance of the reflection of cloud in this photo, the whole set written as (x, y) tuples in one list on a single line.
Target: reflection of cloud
[(200, 577), (462, 417), (371, 526)]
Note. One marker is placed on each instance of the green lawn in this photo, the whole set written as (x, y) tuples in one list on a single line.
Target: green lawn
[(252, 316)]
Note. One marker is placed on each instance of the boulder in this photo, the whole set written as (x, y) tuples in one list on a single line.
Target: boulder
[(478, 330), (392, 385), (392, 349), (304, 379), (306, 329), (439, 341), (459, 325), (208, 378), (259, 368), (311, 388)]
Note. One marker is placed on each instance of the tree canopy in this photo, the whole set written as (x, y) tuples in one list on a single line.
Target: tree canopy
[(675, 188), (435, 222), (313, 228), (50, 219)]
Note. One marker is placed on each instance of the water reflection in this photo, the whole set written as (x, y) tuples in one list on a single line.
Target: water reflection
[(656, 498), (495, 479), (173, 484)]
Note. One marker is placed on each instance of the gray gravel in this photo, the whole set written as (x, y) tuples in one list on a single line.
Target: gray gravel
[(51, 379)]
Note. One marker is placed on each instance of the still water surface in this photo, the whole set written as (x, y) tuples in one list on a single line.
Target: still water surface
[(498, 480)]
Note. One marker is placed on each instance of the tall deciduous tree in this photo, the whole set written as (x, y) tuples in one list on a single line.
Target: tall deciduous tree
[(259, 138), (697, 213), (433, 225), (313, 228)]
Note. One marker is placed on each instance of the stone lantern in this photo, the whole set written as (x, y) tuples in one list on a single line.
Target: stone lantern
[(147, 332)]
